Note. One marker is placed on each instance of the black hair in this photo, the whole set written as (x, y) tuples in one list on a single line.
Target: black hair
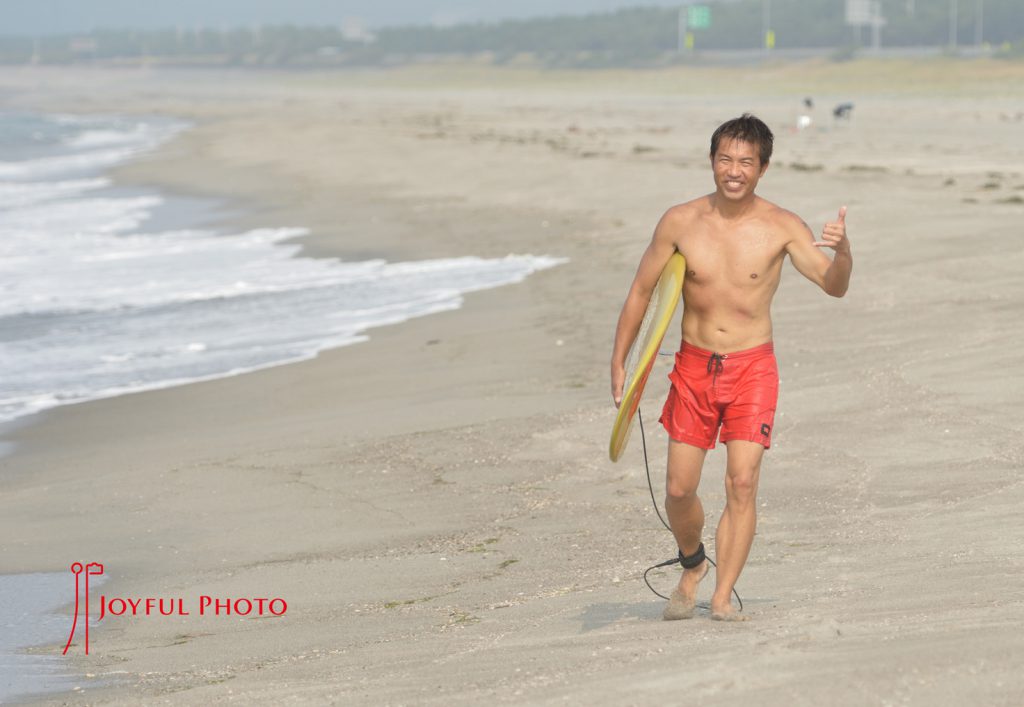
[(747, 128)]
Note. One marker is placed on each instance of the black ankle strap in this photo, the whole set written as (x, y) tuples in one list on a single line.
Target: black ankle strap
[(690, 561)]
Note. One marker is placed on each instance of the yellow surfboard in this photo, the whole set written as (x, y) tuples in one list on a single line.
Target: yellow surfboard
[(645, 349)]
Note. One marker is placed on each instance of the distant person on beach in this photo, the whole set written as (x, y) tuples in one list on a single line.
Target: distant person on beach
[(843, 111), (725, 372)]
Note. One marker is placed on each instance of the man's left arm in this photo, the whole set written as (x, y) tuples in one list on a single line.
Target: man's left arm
[(833, 276)]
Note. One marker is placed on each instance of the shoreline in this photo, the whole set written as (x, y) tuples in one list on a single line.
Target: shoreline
[(227, 211), (31, 435), (167, 169), (435, 503), (26, 659)]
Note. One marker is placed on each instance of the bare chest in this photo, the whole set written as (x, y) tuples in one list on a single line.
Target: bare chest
[(750, 259)]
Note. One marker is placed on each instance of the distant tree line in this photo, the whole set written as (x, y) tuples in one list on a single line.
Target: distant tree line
[(639, 36)]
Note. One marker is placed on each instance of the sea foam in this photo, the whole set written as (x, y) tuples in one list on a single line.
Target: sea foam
[(96, 299)]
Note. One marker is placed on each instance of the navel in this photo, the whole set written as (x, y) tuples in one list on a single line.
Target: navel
[(753, 276), (692, 273)]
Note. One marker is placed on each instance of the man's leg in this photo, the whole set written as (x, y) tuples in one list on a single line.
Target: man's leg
[(737, 524), (685, 514)]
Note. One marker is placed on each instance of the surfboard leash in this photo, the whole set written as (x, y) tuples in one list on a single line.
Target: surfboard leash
[(654, 502)]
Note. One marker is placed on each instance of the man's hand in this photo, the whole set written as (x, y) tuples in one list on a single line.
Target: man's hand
[(618, 380), (834, 234)]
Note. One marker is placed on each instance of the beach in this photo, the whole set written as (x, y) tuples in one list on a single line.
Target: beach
[(436, 505)]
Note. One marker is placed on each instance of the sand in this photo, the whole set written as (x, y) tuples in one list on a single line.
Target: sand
[(436, 505)]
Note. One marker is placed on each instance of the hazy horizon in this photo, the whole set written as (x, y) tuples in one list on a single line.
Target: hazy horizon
[(49, 17)]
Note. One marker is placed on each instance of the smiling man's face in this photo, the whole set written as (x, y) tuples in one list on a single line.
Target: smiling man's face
[(737, 168)]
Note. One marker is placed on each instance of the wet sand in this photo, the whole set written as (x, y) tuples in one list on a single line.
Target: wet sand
[(436, 505)]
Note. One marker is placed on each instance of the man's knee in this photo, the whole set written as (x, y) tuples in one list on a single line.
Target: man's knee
[(684, 466), (741, 483), (680, 491)]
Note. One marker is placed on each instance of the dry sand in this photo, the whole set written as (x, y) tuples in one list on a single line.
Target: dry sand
[(436, 505)]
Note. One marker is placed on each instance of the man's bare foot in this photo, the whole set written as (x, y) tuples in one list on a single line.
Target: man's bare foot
[(683, 599), (728, 613)]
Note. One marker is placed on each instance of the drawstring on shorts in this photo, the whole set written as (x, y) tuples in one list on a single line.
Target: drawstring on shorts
[(715, 363)]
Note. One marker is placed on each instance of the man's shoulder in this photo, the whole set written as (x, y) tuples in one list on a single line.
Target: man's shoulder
[(783, 218), (689, 210)]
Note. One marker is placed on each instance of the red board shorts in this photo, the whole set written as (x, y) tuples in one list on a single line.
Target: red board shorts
[(735, 390)]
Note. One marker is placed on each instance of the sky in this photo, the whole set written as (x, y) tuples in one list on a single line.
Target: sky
[(41, 17)]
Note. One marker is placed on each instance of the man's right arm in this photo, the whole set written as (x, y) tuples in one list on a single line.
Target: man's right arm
[(661, 248)]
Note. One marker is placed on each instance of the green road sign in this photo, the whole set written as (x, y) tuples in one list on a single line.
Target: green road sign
[(698, 16)]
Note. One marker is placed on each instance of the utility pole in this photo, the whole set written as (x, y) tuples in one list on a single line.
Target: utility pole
[(876, 25), (979, 22), (767, 36), (952, 23), (681, 39)]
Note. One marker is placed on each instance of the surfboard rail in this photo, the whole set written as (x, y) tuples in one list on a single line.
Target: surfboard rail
[(644, 351)]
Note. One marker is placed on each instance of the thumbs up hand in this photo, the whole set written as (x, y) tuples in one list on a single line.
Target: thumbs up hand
[(833, 235)]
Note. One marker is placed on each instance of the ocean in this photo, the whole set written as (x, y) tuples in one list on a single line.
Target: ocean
[(30, 614), (106, 290)]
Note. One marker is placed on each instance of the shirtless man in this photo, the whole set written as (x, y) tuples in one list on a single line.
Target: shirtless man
[(725, 375)]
